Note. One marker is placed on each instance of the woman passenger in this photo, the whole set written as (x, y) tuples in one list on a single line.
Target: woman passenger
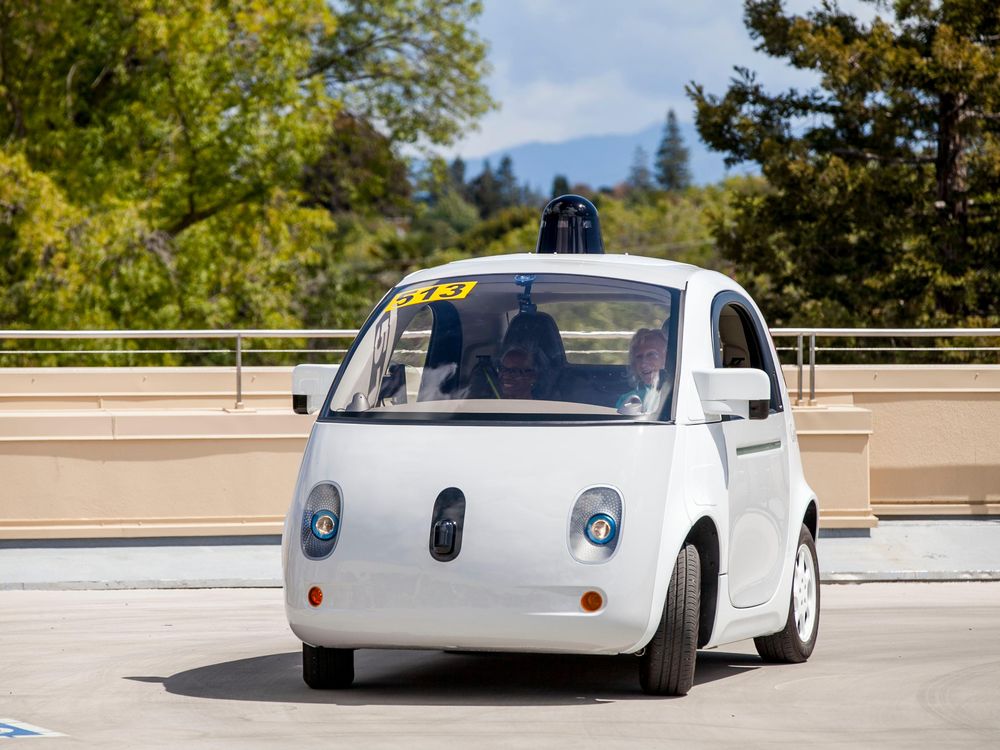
[(647, 360)]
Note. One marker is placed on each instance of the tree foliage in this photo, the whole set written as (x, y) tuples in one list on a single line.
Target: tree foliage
[(358, 170), (151, 161), (493, 190), (672, 158), (414, 66), (640, 178), (883, 203), (184, 163)]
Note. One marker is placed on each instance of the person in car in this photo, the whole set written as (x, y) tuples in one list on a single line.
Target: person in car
[(647, 359), (518, 373)]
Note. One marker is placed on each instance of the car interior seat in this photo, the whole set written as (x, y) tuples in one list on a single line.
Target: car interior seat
[(735, 352), (538, 332)]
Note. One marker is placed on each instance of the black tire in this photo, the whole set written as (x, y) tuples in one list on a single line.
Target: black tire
[(789, 646), (327, 668), (667, 665)]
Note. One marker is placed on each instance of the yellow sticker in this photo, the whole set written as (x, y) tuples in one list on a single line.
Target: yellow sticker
[(447, 291)]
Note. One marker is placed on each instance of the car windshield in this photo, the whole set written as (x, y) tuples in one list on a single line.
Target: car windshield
[(514, 347)]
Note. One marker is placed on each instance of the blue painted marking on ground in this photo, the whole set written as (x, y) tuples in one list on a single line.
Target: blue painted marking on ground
[(10, 728)]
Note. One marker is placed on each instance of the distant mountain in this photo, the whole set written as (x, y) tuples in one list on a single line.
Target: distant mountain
[(598, 160)]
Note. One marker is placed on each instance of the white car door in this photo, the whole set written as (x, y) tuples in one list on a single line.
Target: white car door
[(757, 457)]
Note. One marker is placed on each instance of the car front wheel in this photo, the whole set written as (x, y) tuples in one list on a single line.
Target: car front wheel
[(327, 668), (667, 665), (795, 643)]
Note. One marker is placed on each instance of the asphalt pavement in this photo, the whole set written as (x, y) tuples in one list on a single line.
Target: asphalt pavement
[(904, 550), (901, 665)]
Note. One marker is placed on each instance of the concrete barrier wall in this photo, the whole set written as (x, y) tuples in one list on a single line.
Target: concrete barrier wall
[(147, 473), (935, 443), (99, 452)]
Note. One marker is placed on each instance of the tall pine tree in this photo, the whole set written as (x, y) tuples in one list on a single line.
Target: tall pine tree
[(507, 187), (456, 175), (640, 179), (672, 169), (484, 192)]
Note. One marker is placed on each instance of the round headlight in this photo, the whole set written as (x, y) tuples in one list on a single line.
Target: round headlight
[(601, 528), (325, 524)]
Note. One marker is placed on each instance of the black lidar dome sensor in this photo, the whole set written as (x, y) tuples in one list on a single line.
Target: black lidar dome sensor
[(570, 225)]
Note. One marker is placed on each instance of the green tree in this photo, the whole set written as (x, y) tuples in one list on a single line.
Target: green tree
[(883, 203), (529, 196), (507, 186), (509, 230), (189, 110), (357, 171), (456, 175), (560, 185), (484, 192), (674, 227), (157, 155), (672, 158), (669, 226), (172, 144), (416, 66), (640, 179), (443, 214)]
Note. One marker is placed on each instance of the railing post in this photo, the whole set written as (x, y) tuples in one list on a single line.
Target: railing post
[(239, 371), (812, 369), (798, 364)]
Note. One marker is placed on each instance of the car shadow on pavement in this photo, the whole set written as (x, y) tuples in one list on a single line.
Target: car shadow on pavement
[(421, 678)]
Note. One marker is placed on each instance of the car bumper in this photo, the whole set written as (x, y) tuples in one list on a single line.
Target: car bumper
[(408, 610)]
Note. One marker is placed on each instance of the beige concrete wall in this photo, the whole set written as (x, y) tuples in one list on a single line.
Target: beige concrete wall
[(141, 387), (935, 443), (161, 452), (112, 473), (834, 443)]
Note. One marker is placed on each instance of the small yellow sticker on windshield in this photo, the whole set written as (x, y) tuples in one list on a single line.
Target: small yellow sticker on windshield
[(449, 291)]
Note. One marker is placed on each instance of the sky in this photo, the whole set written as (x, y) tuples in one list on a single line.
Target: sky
[(569, 68)]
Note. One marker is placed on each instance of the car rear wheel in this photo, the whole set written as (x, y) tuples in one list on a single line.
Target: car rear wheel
[(795, 643), (327, 668), (667, 665)]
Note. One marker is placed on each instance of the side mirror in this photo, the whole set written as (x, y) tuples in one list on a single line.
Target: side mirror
[(310, 384), (735, 391)]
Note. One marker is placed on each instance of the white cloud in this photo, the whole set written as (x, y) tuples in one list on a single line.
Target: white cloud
[(592, 67)]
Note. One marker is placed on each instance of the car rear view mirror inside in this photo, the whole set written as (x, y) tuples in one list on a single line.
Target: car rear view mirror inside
[(731, 391), (310, 384)]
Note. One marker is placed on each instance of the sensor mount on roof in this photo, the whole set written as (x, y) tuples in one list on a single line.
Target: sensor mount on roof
[(569, 226)]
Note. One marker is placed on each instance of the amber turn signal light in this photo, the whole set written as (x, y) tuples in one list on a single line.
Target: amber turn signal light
[(591, 601), (315, 596)]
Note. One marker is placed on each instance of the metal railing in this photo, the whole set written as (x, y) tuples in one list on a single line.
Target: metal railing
[(238, 337), (800, 335), (803, 336)]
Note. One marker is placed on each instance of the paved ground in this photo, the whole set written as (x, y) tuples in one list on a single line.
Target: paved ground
[(930, 550), (897, 665)]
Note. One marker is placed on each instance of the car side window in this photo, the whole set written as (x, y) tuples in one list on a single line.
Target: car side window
[(740, 341)]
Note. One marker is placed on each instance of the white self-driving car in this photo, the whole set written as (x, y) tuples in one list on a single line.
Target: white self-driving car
[(553, 452)]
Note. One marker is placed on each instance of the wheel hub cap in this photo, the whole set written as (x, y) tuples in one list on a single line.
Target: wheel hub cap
[(804, 593)]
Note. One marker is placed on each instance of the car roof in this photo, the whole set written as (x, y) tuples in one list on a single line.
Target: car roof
[(629, 267)]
